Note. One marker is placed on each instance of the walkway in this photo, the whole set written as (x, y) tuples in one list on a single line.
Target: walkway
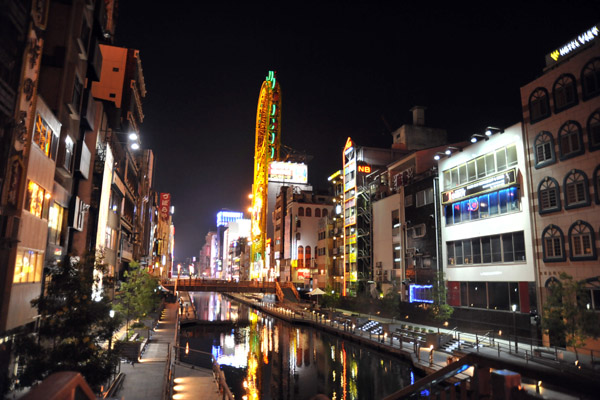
[(147, 379), (564, 371)]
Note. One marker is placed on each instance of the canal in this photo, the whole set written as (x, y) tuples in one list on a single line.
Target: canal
[(267, 358)]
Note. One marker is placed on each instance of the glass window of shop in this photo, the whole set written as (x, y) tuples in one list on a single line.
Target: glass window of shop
[(477, 294), (485, 165), (505, 248), (499, 295), (490, 204)]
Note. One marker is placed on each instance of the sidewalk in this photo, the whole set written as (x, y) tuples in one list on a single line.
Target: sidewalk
[(146, 380)]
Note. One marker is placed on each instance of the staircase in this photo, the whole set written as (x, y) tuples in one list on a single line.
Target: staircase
[(453, 344)]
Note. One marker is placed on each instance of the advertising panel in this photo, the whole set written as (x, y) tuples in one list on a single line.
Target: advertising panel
[(288, 172), (165, 205)]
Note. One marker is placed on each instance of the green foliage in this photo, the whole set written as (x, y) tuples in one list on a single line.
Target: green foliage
[(567, 319), (330, 298), (75, 323), (440, 310), (139, 293), (390, 303)]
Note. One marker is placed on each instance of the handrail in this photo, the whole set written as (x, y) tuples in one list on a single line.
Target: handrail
[(115, 386)]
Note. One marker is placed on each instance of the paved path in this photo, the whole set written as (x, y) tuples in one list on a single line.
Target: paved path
[(146, 379)]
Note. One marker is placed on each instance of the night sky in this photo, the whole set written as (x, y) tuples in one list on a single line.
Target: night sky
[(345, 69)]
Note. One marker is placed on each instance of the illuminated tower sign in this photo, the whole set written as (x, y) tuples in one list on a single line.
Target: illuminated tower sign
[(266, 149), (350, 210)]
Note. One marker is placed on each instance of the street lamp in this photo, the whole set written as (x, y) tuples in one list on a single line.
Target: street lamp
[(514, 308)]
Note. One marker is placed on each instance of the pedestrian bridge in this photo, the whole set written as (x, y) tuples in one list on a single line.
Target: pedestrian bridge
[(283, 290)]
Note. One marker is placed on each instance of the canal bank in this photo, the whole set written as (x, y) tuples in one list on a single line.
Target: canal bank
[(559, 374)]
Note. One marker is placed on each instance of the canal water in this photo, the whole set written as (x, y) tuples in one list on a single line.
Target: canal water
[(266, 358)]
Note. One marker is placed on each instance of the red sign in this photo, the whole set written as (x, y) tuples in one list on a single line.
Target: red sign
[(165, 205)]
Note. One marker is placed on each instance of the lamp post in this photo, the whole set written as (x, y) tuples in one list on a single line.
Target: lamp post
[(514, 309)]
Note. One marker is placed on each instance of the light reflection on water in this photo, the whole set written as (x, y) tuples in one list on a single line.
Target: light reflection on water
[(265, 358)]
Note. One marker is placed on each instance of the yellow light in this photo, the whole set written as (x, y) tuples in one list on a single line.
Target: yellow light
[(178, 388), (47, 196), (178, 396), (187, 348), (250, 196)]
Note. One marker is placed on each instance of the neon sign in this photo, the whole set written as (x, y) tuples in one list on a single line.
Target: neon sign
[(419, 293), (574, 45), (366, 169), (494, 182)]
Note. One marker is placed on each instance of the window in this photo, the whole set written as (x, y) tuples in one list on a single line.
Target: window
[(408, 200), (35, 200), (300, 256), (395, 222), (544, 149), (301, 211), (69, 152), (76, 98), (55, 224), (593, 128), (110, 238), (564, 92), (418, 231), (307, 257), (471, 171), (539, 105), (503, 201), (548, 196), (570, 140), (553, 244), (511, 156), (505, 248), (43, 136), (28, 266), (576, 190), (424, 197), (318, 212), (590, 79), (582, 241), (308, 212), (298, 223), (298, 236), (325, 213)]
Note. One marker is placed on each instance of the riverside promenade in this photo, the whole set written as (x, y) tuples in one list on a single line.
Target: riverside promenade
[(550, 375), (147, 379)]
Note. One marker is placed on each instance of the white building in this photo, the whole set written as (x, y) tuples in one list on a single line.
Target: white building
[(487, 243)]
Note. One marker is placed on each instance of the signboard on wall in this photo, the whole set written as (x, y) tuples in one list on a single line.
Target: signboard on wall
[(492, 183), (165, 205), (288, 172)]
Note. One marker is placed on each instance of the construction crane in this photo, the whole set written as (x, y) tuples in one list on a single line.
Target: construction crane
[(266, 149)]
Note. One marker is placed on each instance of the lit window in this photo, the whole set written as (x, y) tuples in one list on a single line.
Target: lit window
[(35, 199), (548, 195), (576, 189), (544, 149), (565, 93), (539, 105), (28, 266), (43, 135), (582, 241), (553, 244), (593, 127), (590, 79), (570, 140), (55, 222)]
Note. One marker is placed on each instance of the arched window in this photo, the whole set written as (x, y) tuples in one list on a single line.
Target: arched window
[(300, 256), (596, 184), (576, 190), (308, 212), (301, 211), (544, 149), (564, 92), (553, 244), (548, 196), (582, 242), (593, 128), (325, 213), (308, 257), (318, 212), (570, 141), (539, 105), (590, 79)]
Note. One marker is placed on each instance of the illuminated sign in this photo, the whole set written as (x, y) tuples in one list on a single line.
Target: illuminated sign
[(365, 169), (165, 205), (420, 294), (303, 273), (225, 217), (572, 46), (288, 172), (348, 147), (495, 182)]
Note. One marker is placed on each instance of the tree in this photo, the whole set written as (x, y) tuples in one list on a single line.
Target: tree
[(75, 324), (139, 294), (567, 318), (440, 310)]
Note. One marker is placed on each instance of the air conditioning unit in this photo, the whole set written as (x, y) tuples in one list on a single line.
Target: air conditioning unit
[(410, 252)]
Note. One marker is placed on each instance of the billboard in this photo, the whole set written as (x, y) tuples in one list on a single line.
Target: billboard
[(288, 172), (165, 205)]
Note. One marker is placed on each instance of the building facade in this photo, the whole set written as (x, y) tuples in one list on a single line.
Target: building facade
[(561, 114)]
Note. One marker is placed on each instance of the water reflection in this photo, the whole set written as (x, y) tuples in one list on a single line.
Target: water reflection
[(265, 358)]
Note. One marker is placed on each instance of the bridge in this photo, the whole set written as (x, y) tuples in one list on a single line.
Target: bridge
[(283, 290)]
